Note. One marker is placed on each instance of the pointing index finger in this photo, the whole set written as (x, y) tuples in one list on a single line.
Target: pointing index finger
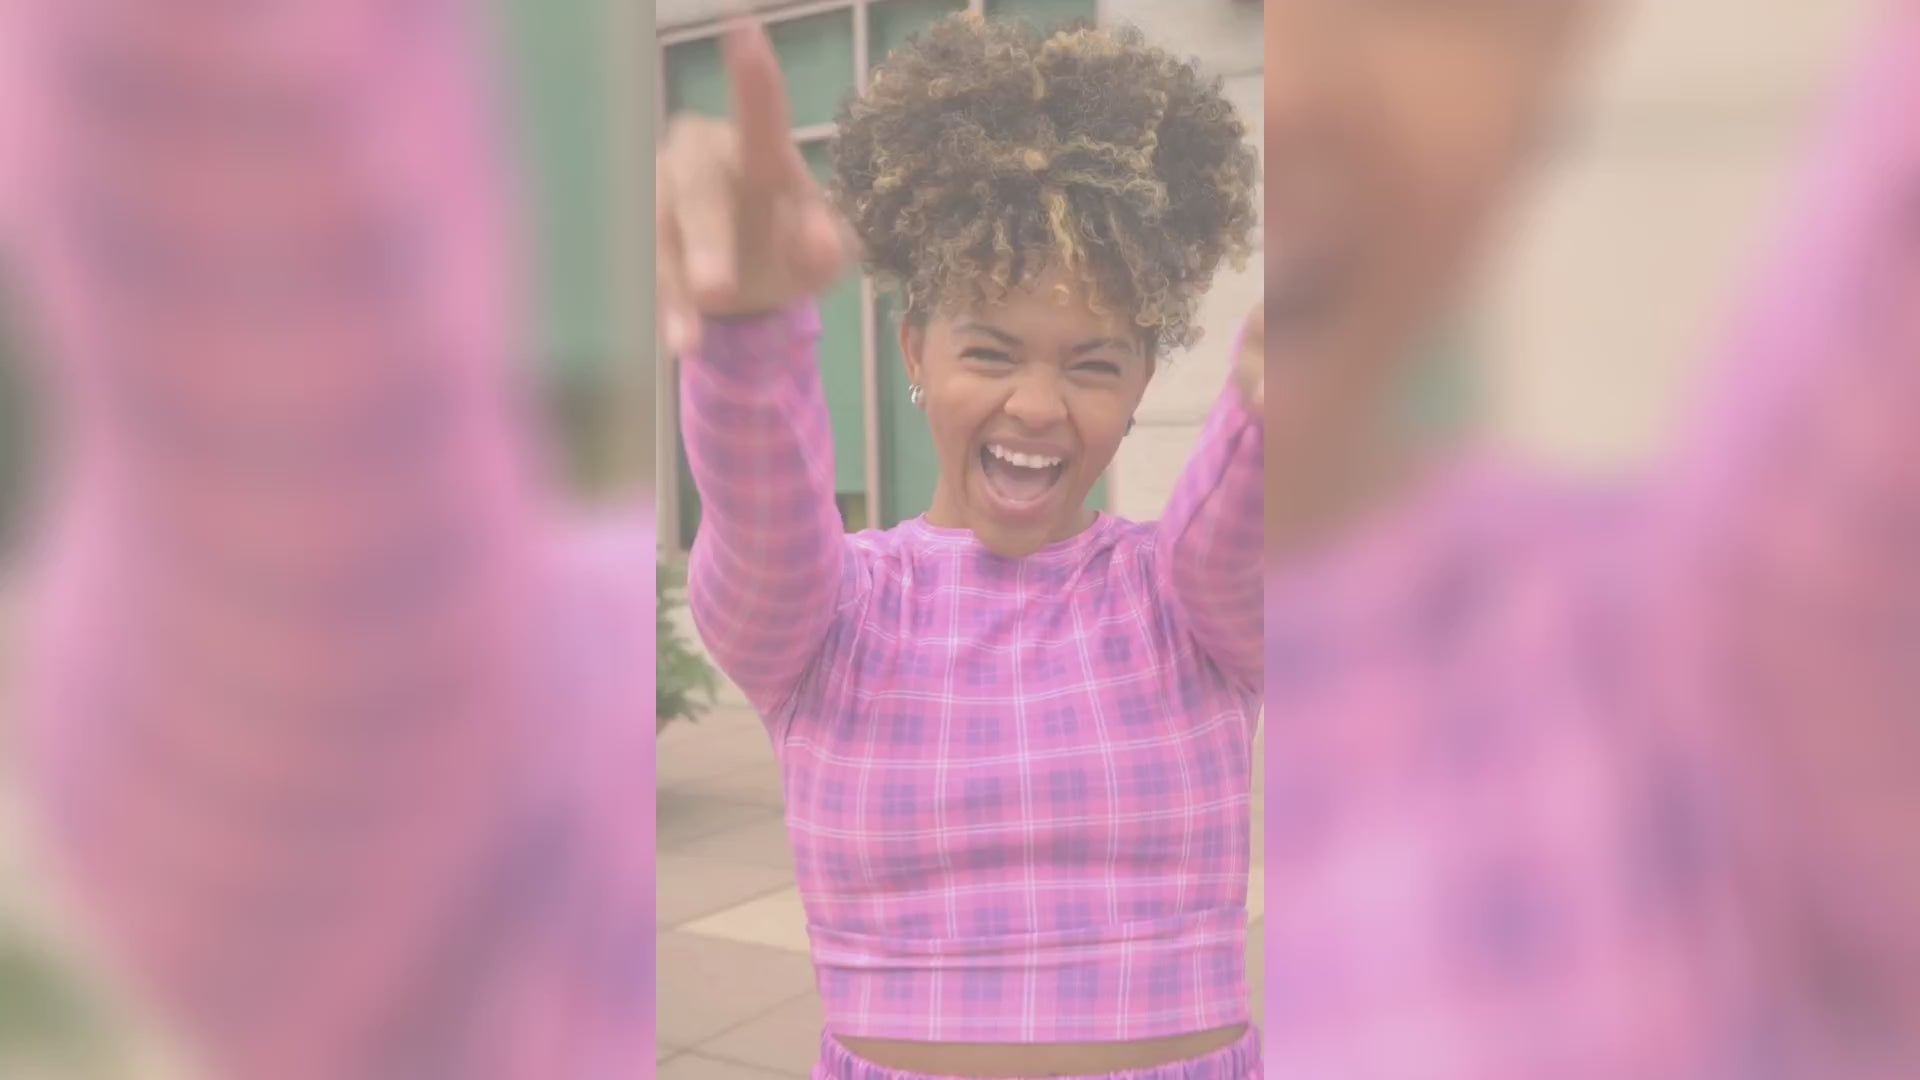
[(761, 112)]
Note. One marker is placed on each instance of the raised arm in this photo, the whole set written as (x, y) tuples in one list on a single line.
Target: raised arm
[(770, 563), (1208, 551), (291, 542), (1794, 504), (746, 240)]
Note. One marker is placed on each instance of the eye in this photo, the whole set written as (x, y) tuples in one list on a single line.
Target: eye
[(1102, 367), (991, 356)]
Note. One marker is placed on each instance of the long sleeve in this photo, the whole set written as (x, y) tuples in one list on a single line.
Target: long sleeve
[(1793, 506), (288, 560), (771, 563), (1208, 544)]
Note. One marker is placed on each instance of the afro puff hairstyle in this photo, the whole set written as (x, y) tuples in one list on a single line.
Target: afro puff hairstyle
[(984, 153)]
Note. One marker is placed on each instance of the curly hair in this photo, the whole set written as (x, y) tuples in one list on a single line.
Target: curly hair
[(984, 152)]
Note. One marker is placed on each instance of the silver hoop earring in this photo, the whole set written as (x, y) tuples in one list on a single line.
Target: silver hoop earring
[(916, 394)]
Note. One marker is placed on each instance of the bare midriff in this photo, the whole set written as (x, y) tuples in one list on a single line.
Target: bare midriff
[(1014, 1061)]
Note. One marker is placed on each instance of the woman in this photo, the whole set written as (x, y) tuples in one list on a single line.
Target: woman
[(1571, 782), (1015, 733)]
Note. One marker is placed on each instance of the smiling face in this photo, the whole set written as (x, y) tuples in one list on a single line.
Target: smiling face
[(1027, 399), (987, 164)]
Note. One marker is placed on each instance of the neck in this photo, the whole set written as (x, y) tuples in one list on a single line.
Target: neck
[(946, 512)]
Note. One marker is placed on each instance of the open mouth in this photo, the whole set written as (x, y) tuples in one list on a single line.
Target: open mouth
[(1020, 480)]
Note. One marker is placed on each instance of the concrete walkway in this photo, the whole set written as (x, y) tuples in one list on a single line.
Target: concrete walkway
[(736, 992)]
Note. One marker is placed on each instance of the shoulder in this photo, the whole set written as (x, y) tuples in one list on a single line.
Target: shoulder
[(1125, 546), (1126, 532), (891, 542)]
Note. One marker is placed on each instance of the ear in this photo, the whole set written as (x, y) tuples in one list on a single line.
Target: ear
[(913, 343)]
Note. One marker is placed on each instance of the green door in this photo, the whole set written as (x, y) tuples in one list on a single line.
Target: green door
[(559, 105)]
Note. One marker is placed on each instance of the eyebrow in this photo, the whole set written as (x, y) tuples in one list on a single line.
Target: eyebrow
[(1008, 339)]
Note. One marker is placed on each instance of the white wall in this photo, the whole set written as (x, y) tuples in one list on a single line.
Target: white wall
[(1226, 37), (1620, 271)]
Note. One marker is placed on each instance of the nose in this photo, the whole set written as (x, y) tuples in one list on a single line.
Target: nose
[(1036, 401)]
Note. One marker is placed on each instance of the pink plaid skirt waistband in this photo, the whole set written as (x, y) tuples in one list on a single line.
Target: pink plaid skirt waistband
[(1099, 983), (1241, 1061)]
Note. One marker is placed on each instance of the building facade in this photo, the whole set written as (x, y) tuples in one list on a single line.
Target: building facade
[(1593, 323)]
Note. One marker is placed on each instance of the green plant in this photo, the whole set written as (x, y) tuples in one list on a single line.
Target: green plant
[(47, 1017), (684, 682)]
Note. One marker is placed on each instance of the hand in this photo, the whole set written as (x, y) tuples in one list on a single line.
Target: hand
[(1250, 367), (742, 227)]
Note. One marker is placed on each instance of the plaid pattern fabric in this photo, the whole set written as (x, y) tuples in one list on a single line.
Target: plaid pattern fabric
[(1017, 790), (338, 737), (1572, 783)]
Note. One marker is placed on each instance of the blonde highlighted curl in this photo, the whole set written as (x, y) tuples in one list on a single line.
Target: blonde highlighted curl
[(985, 152)]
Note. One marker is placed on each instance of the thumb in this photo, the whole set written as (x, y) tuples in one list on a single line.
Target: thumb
[(825, 245), (1251, 366)]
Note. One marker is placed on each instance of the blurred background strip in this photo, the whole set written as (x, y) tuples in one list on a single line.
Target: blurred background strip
[(583, 86)]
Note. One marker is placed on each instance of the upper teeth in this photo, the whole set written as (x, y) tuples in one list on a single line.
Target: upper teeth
[(1025, 461)]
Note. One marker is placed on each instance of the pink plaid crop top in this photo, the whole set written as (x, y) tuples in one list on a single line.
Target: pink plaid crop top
[(1018, 791)]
